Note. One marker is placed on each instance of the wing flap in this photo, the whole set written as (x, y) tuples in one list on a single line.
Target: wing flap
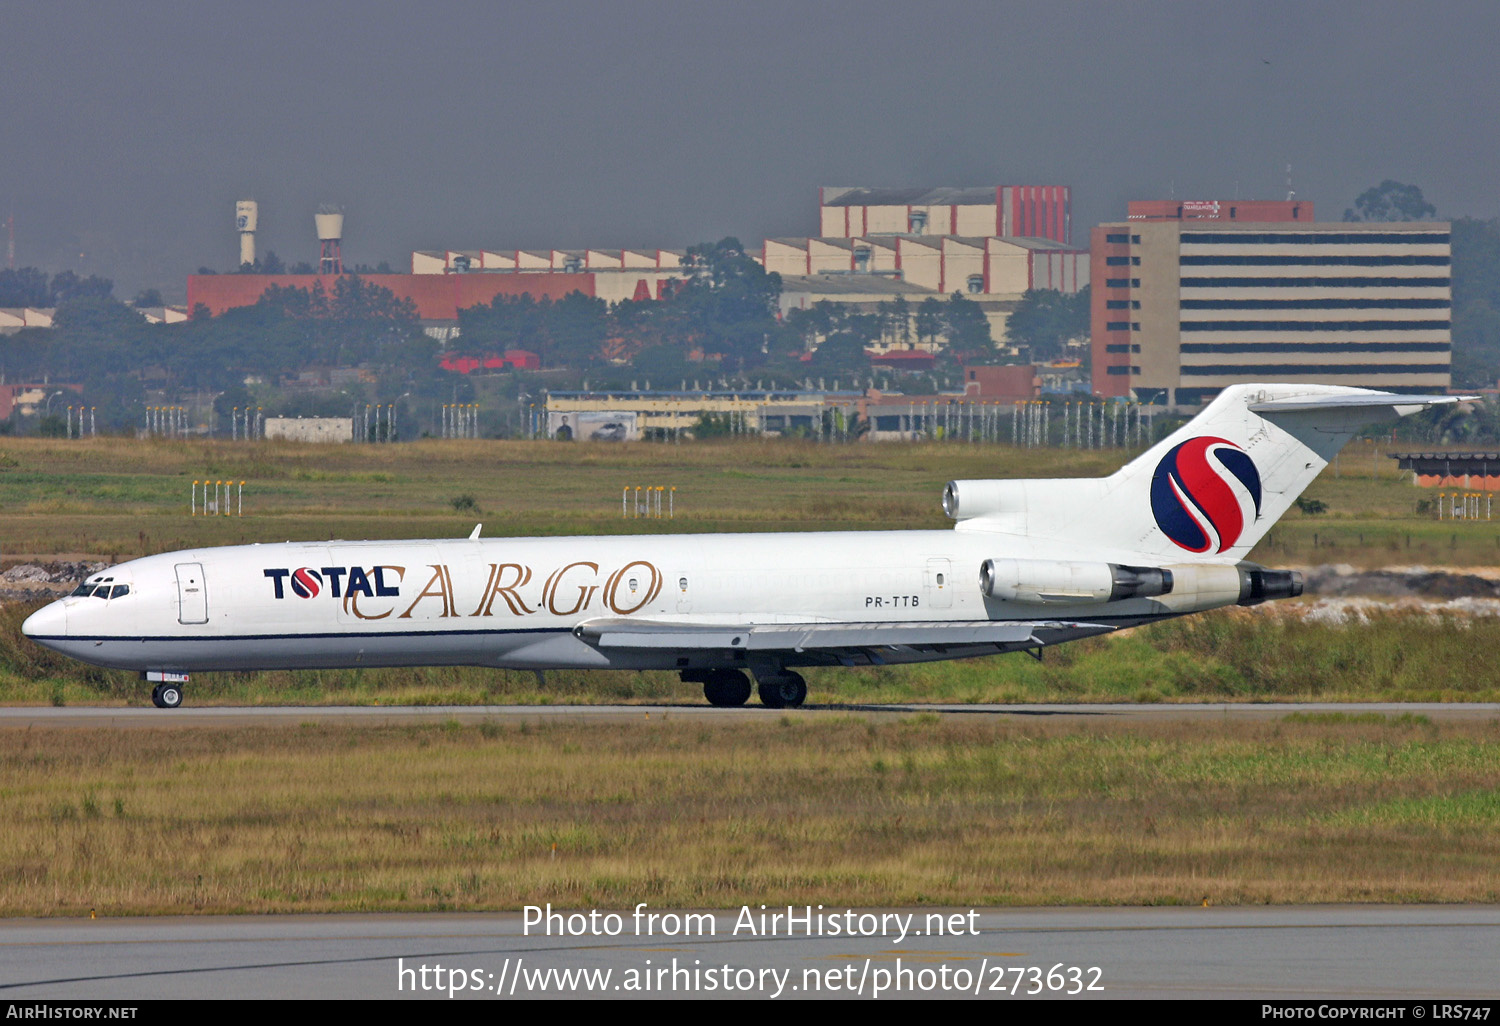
[(648, 634)]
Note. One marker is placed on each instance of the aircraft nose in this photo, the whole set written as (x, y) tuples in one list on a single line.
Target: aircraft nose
[(51, 621)]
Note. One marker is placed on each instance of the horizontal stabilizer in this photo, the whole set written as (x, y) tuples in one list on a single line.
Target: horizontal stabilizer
[(648, 634), (1402, 404)]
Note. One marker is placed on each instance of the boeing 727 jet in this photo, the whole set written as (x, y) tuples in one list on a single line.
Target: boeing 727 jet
[(1028, 563)]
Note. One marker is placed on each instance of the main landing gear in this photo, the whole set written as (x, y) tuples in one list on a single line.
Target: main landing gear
[(727, 688), (166, 696), (786, 690)]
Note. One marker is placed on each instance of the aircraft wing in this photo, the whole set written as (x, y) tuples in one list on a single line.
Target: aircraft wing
[(828, 638)]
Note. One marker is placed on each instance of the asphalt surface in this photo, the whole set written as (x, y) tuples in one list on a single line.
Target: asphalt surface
[(1292, 953), (234, 716)]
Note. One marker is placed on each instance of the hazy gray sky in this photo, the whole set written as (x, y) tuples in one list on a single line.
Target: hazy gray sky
[(127, 131)]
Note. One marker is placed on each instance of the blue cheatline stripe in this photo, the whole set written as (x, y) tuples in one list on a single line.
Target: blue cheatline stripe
[(299, 637), (1065, 625)]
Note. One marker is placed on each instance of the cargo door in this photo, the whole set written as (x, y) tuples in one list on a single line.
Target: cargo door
[(192, 594), (939, 584)]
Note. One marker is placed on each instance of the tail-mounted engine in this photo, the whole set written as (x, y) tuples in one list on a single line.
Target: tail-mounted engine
[(1181, 586), (1054, 582)]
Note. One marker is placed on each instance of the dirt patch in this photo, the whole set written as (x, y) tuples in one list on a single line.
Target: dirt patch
[(37, 582)]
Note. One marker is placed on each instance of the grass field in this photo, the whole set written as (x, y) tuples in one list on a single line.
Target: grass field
[(120, 498), (813, 808)]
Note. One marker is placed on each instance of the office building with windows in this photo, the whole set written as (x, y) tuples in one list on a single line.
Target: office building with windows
[(1189, 298)]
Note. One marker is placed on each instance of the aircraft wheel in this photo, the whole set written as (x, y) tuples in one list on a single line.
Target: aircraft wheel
[(166, 696), (726, 688), (787, 691)]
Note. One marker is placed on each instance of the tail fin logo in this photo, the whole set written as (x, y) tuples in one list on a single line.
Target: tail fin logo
[(1194, 496)]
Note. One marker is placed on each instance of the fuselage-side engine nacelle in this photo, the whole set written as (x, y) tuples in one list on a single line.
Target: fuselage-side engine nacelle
[(1058, 582)]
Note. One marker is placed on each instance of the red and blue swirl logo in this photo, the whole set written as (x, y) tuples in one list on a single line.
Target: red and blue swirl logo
[(1194, 496), (306, 582)]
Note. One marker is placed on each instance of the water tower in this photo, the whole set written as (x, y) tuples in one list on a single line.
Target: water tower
[(330, 223), (245, 214)]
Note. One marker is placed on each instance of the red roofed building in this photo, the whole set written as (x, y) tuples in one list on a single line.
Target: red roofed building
[(520, 359), (438, 297)]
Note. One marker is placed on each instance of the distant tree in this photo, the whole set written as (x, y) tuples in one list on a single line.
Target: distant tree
[(207, 270), (929, 320), (66, 285), (841, 353), (966, 328), (1390, 201), (729, 303), (271, 263), (895, 321), (1046, 320), (1476, 302), (1476, 346), (302, 267), (576, 327), (147, 297), (24, 286), (52, 425), (665, 364), (235, 396)]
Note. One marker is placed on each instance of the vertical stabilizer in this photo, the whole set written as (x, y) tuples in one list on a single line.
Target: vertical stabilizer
[(1210, 490)]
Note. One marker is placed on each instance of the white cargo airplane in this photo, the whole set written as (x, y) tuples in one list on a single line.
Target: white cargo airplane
[(1028, 564)]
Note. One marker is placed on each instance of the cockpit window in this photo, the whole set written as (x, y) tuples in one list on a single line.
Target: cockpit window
[(104, 589)]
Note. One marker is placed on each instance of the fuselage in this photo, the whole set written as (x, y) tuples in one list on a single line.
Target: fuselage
[(517, 602)]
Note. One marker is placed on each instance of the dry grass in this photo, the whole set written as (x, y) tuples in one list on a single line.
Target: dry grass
[(839, 810), (119, 498)]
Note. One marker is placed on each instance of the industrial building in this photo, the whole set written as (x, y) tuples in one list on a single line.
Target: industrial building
[(988, 244), (438, 298), (1188, 298), (619, 416), (309, 429), (1029, 211), (13, 319), (1471, 471)]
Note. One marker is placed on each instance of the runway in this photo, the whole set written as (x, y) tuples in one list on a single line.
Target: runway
[(1288, 953), (237, 716)]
